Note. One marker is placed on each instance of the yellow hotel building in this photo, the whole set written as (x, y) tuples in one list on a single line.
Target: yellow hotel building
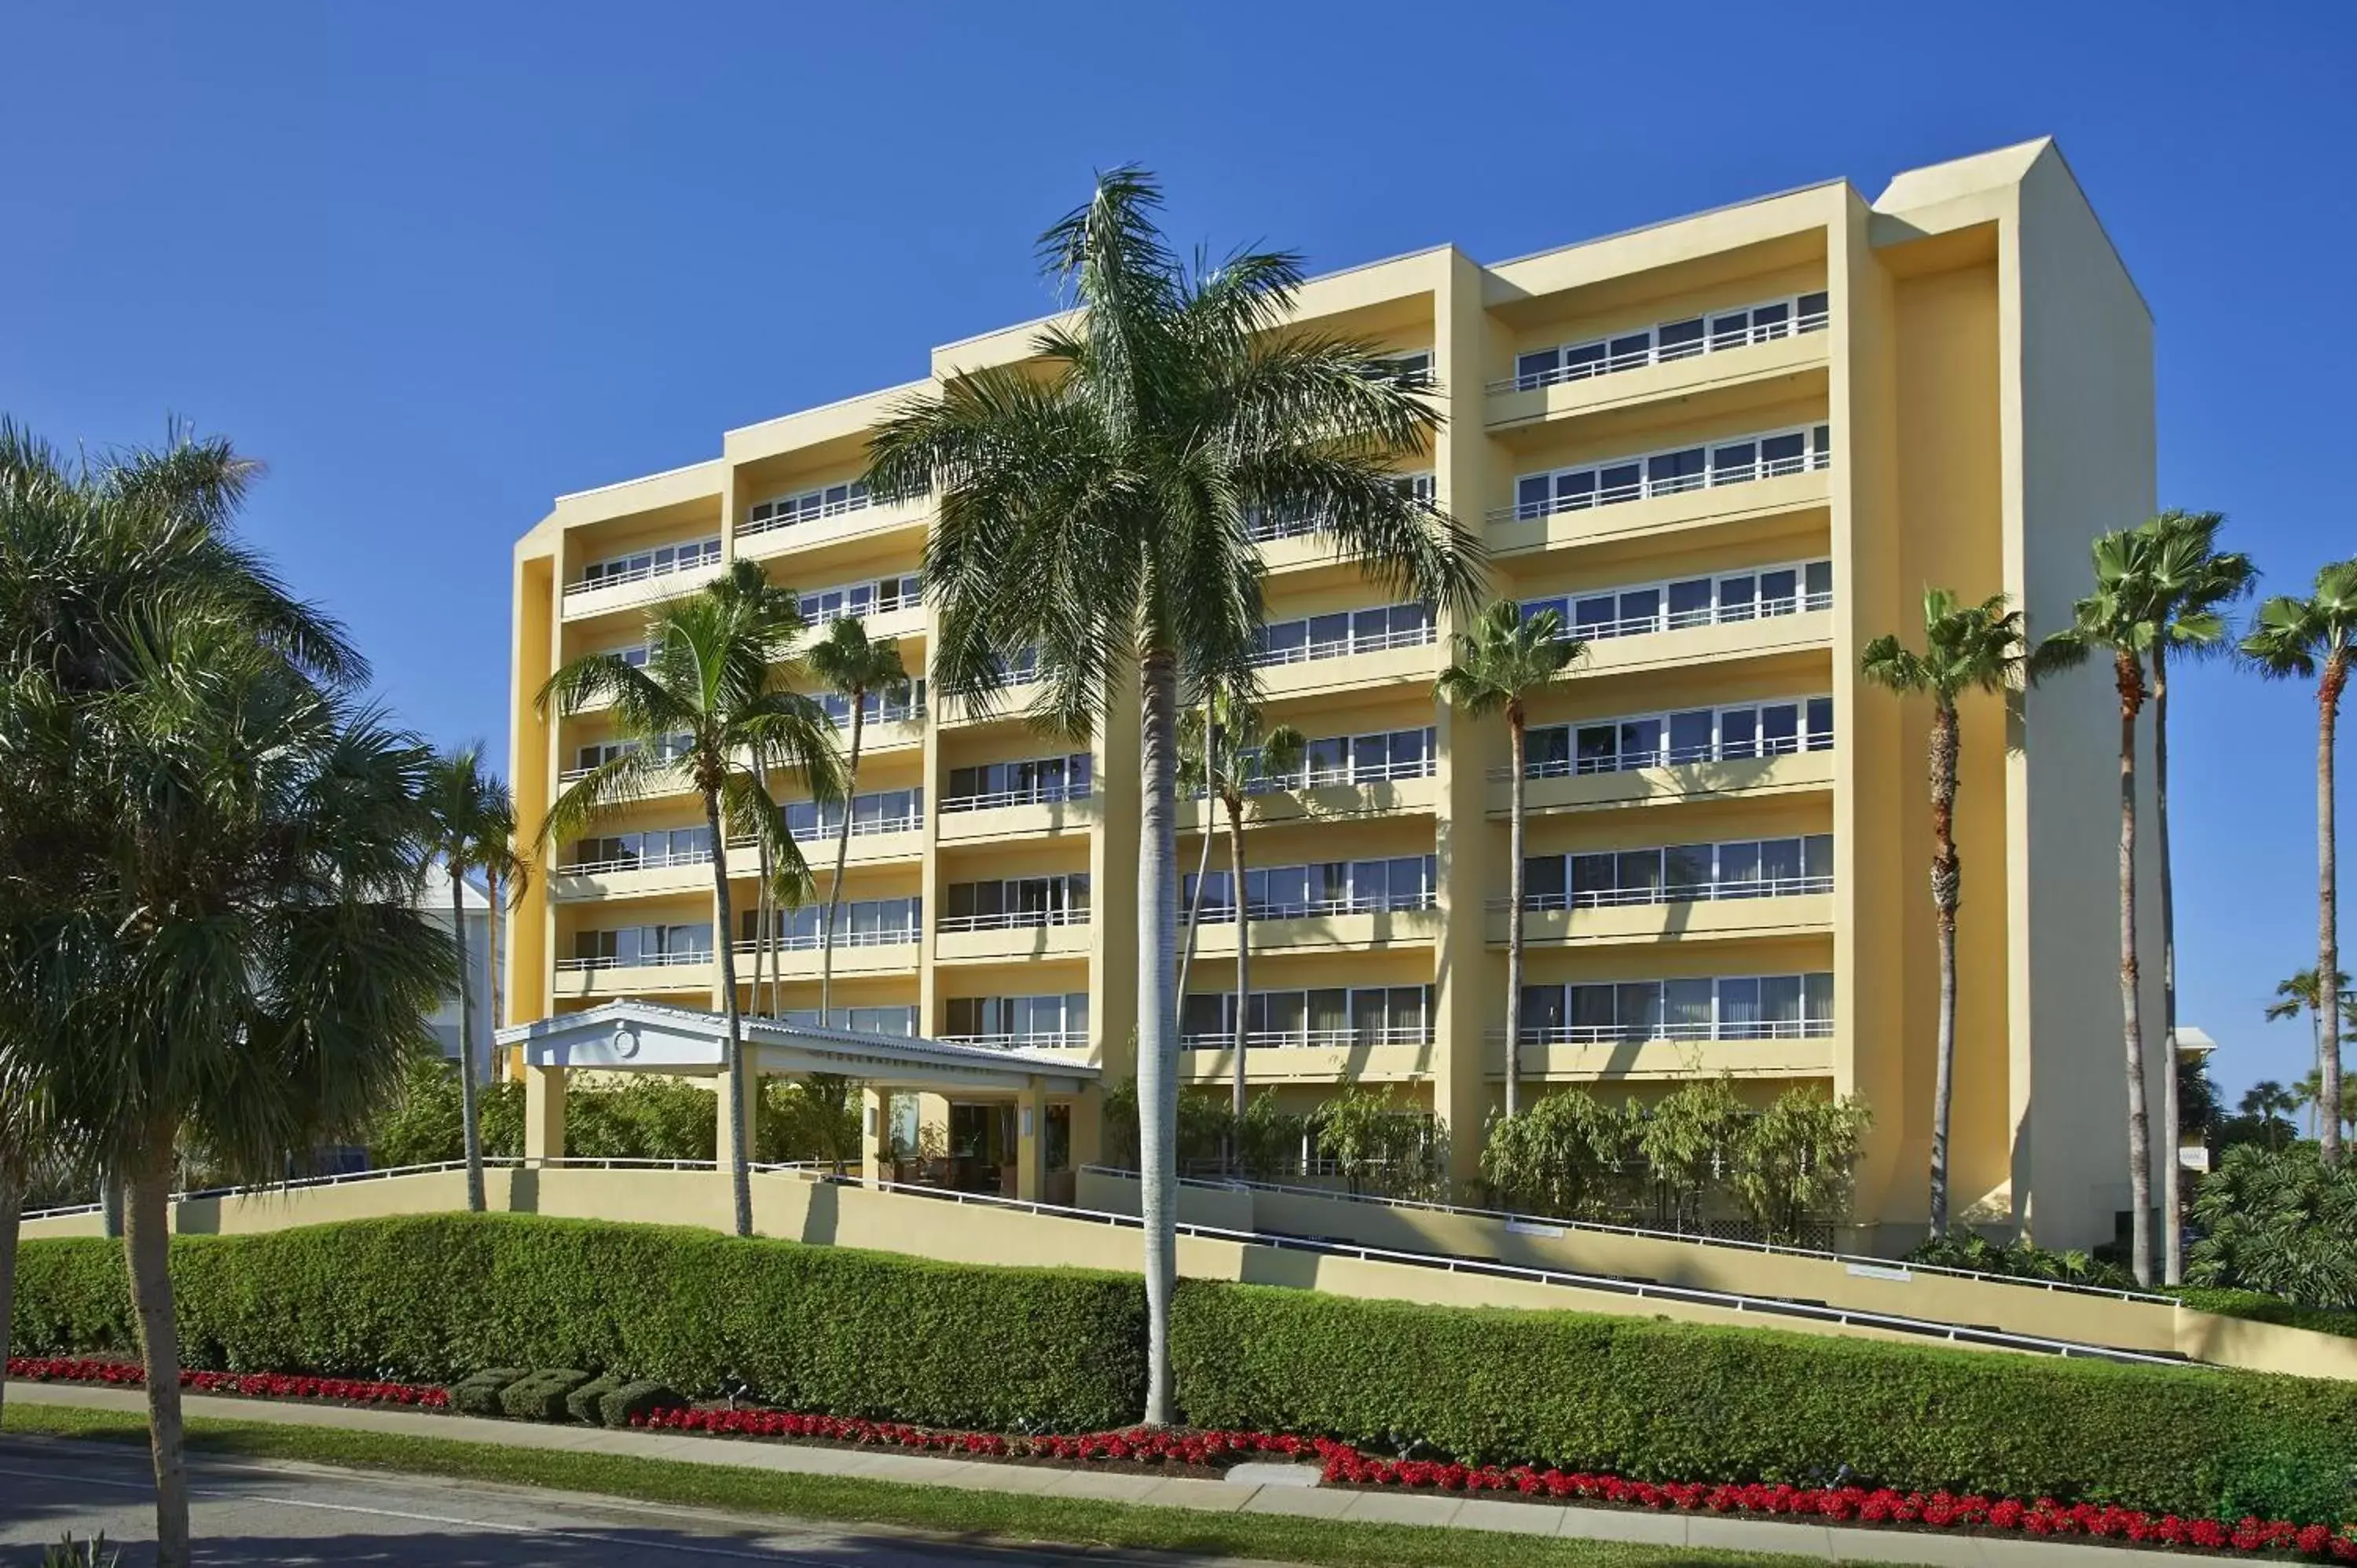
[(1732, 448)]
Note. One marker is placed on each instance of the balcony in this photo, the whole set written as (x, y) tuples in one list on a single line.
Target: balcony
[(1394, 790), (1391, 657), (604, 977), (873, 842), (1347, 925), (643, 578), (1013, 813), (1046, 1040), (1648, 506), (1311, 1056), (796, 956), (1014, 934), (1615, 376), (1804, 1053), (817, 518), (1751, 776), (682, 872), (1780, 906)]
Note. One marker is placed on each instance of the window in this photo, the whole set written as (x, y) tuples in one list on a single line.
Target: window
[(1741, 1007), (1673, 472), (880, 707), (628, 852), (660, 561), (1358, 759), (878, 811), (1031, 781), (1681, 874), (805, 506), (879, 596), (1018, 902), (1668, 340), (899, 1022), (635, 947), (1692, 736), (1054, 1020), (1334, 1016), (860, 922)]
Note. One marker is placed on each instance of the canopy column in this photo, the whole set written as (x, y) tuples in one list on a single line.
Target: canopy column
[(874, 1136), (1031, 1142), (543, 1112)]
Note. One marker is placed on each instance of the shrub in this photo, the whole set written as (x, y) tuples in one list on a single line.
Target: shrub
[(1659, 1400), (542, 1395), (640, 1398), (2260, 1307), (1962, 1249), (2278, 1221), (432, 1297), (479, 1392), (581, 1404)]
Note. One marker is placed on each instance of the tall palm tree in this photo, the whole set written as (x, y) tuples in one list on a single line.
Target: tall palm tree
[(709, 686), (1227, 751), (2316, 638), (218, 940), (1100, 513), (2310, 1092), (2270, 1102), (853, 666), (2192, 578), (1499, 665), (472, 826), (2120, 618), (1966, 648)]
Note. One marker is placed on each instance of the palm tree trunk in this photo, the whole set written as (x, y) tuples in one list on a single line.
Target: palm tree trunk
[(2172, 1220), (147, 1248), (471, 1126), (11, 1214), (1158, 1043), (741, 1173), (1195, 906), (1244, 950), (1947, 886), (842, 856), (1515, 896), (2130, 675), (2328, 935)]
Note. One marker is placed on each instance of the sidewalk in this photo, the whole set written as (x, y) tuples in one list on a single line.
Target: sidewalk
[(1798, 1538)]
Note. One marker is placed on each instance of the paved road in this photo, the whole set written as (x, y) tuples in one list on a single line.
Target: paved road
[(284, 1514)]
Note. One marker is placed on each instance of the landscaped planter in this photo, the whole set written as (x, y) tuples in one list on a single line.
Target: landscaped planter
[(252, 1385)]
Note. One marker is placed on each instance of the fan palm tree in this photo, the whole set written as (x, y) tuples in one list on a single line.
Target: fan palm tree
[(472, 828), (853, 667), (2300, 994), (1225, 750), (2310, 1092), (1966, 648), (2270, 1102), (1097, 506), (2192, 578), (709, 687), (2316, 638), (1499, 665)]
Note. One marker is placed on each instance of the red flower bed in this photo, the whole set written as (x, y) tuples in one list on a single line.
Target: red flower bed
[(254, 1385), (1343, 1464)]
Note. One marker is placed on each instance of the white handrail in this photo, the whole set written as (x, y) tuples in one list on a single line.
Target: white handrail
[(823, 510), (1344, 646), (639, 863), (1015, 919), (640, 574), (1035, 795), (1372, 773), (1668, 756), (1045, 1040), (897, 937), (644, 960), (1312, 1039), (1224, 913), (1646, 486), (1666, 892), (1615, 1033), (1656, 353), (1664, 619)]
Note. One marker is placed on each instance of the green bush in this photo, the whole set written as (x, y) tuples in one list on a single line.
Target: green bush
[(478, 1393), (2282, 1222), (582, 1405), (430, 1298), (2260, 1307), (1963, 1248), (1660, 1401), (641, 1396), (541, 1396)]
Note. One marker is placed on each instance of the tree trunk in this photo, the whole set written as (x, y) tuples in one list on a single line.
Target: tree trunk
[(110, 1203), (147, 1248), (842, 855), (1515, 892), (1947, 889), (11, 1214), (2130, 675), (1244, 949), (2172, 1133), (740, 1173), (2328, 935), (1158, 1043), (470, 1132), (1194, 918)]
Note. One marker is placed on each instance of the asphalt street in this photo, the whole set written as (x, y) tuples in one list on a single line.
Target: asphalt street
[(255, 1513)]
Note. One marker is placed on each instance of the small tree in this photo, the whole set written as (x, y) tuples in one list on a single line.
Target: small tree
[(855, 668), (1684, 1139), (1377, 1142), (1562, 1156), (473, 825), (1795, 1160)]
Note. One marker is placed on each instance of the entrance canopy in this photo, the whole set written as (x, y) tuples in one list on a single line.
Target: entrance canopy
[(649, 1037)]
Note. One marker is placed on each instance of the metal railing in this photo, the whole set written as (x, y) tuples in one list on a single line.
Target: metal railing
[(1668, 893), (1643, 1034), (810, 942), (1015, 920), (815, 512), (640, 574), (1649, 486), (644, 960), (1312, 1039), (1368, 773), (1657, 352), (1043, 1040), (1601, 1227), (1223, 914), (1031, 795), (1344, 646), (638, 862), (1665, 619), (1668, 756)]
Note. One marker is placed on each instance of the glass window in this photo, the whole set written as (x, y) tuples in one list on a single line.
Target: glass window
[(1544, 881), (1738, 1009), (1639, 872), (1783, 455), (1673, 471), (1739, 870), (1770, 321), (1733, 465), (1817, 581), (1686, 1009), (1593, 879), (1620, 482), (1817, 1001), (1585, 359), (1533, 608), (1780, 866), (1598, 748), (1779, 1005), (1638, 1003), (1821, 724), (1641, 609), (1738, 597), (1680, 339), (1574, 491), (1731, 330), (1534, 370), (1780, 591), (1738, 732), (1780, 729), (1547, 751), (1688, 870), (1594, 616), (1817, 857), (1543, 1008), (1690, 736), (1640, 743), (1591, 1007), (1814, 308), (1690, 603), (1530, 495)]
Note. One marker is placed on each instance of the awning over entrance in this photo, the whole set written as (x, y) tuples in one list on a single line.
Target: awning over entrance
[(649, 1037)]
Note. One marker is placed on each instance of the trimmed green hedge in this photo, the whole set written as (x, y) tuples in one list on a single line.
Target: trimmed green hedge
[(435, 1298), (2260, 1307), (1654, 1400)]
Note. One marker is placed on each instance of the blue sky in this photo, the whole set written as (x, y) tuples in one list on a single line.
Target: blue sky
[(437, 263)]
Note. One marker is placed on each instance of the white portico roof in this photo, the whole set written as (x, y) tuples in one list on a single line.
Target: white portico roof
[(649, 1037)]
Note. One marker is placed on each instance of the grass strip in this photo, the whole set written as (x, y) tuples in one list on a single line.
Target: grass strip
[(998, 1517)]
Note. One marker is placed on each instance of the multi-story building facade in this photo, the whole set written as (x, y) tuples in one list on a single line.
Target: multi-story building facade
[(1731, 449)]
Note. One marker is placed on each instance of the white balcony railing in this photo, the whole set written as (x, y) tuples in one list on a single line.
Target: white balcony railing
[(1047, 1040), (813, 510), (1313, 1039), (1668, 756), (1638, 1034), (1657, 352), (643, 961), (1686, 893), (687, 559), (1665, 619), (638, 862), (1648, 486), (1314, 909), (1369, 773), (1032, 795), (1342, 646), (1015, 920), (845, 937)]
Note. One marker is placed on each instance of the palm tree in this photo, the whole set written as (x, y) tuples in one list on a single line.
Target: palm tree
[(1097, 506), (707, 685), (2317, 637), (1499, 665), (217, 941), (2270, 1102), (2300, 994), (1966, 648), (2192, 579), (854, 668), (2120, 618), (2310, 1092), (1225, 750), (473, 825)]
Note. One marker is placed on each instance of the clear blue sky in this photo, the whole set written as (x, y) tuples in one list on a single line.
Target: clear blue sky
[(435, 263)]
